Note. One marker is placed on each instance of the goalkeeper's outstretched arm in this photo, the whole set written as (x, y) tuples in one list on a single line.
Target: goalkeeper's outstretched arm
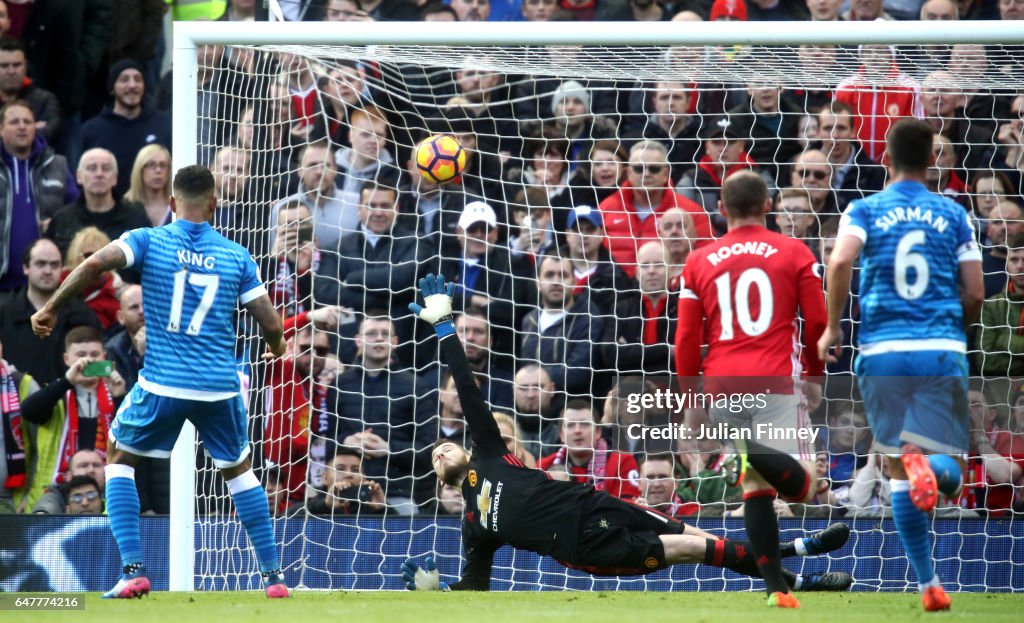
[(476, 572), (438, 311)]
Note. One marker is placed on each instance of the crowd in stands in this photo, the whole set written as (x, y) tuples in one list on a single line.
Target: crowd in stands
[(566, 236)]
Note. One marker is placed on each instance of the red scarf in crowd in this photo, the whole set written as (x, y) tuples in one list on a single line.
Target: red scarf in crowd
[(69, 440), (596, 466), (712, 168), (678, 508), (652, 313), (581, 283), (10, 412)]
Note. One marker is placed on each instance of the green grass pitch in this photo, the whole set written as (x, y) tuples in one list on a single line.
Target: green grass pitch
[(399, 607)]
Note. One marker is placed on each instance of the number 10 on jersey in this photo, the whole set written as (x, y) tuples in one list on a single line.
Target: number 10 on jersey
[(752, 277)]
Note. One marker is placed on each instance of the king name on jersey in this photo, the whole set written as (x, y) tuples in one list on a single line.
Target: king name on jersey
[(914, 214), (190, 258), (741, 248)]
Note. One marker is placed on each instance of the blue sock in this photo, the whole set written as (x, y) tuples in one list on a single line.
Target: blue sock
[(123, 511), (254, 512), (912, 525)]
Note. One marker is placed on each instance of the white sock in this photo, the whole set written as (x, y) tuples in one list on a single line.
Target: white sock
[(117, 470), (922, 587), (800, 547), (243, 482)]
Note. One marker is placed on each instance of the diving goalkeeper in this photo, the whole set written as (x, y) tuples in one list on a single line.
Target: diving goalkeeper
[(582, 528)]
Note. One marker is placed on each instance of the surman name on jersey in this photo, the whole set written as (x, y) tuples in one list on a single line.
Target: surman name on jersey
[(741, 248), (191, 258), (906, 215)]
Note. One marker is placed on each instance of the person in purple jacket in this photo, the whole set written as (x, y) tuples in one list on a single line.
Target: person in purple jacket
[(35, 182)]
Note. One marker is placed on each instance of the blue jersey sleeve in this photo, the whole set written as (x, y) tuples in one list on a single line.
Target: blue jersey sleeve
[(250, 286), (855, 221), (134, 244), (967, 242)]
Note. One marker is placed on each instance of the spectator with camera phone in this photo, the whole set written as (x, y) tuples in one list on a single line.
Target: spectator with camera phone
[(346, 490), (79, 408)]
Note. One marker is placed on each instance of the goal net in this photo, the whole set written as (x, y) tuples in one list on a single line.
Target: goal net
[(609, 157)]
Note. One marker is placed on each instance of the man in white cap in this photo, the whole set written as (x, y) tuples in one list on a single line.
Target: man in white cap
[(570, 105), (572, 112), (484, 274)]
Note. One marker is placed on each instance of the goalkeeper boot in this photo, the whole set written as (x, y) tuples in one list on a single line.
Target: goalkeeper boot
[(734, 466), (782, 600), (274, 586), (924, 489), (133, 584), (831, 581), (827, 540), (935, 598)]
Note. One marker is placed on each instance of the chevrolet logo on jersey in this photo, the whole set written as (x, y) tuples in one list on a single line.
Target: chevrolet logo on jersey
[(488, 506), (483, 502)]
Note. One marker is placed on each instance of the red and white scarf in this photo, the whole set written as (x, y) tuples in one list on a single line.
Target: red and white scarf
[(69, 439), (10, 412), (652, 315), (596, 466)]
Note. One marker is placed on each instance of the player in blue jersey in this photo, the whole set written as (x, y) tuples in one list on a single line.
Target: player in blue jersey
[(193, 279), (921, 286)]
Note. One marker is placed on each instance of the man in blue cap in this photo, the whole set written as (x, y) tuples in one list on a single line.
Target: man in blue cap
[(592, 264)]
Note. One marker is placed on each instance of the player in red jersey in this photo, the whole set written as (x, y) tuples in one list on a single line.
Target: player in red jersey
[(741, 295)]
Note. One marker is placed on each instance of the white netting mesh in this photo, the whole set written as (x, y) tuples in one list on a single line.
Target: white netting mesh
[(293, 133)]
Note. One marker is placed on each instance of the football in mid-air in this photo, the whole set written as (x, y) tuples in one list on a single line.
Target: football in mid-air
[(948, 475), (440, 158)]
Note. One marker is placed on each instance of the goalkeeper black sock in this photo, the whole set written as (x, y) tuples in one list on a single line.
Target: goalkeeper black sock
[(740, 558), (780, 470), (736, 556), (763, 530)]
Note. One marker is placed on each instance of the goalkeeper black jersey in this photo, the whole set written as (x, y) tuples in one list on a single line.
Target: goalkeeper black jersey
[(506, 502)]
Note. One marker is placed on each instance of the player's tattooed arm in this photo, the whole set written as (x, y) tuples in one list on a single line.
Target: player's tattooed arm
[(110, 257), (262, 310)]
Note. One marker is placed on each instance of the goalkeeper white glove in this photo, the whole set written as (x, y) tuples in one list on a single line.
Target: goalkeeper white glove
[(426, 578), (437, 308)]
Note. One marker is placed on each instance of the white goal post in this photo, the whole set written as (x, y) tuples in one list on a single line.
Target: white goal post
[(601, 40)]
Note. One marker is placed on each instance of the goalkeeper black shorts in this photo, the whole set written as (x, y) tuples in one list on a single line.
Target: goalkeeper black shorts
[(621, 538)]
